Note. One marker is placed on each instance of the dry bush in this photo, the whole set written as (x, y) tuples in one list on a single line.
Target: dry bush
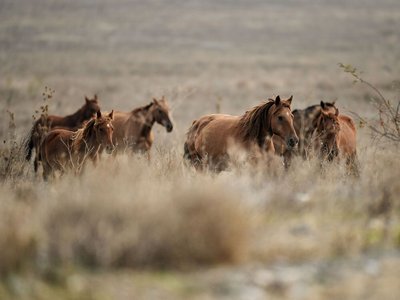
[(12, 165), (124, 214), (18, 235)]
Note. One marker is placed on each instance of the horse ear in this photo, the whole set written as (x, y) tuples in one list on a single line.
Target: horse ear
[(336, 112), (95, 97), (277, 100), (155, 101), (98, 114), (290, 100), (322, 104), (86, 99), (111, 115), (333, 103)]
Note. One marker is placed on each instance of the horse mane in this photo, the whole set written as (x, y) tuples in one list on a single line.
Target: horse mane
[(253, 125), (142, 108), (82, 134)]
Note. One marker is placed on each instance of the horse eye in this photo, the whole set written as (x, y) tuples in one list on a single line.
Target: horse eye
[(280, 118)]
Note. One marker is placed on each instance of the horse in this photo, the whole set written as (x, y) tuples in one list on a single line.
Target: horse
[(335, 137), (212, 138), (304, 125), (46, 123), (133, 130), (63, 149)]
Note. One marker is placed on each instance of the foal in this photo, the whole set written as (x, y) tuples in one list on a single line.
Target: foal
[(63, 149), (304, 124), (70, 122), (335, 137)]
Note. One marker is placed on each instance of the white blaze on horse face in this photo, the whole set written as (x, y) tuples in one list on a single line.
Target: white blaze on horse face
[(108, 125)]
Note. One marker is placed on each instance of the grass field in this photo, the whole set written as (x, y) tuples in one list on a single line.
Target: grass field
[(129, 229)]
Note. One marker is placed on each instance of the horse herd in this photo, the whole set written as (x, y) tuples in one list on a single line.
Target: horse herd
[(267, 130)]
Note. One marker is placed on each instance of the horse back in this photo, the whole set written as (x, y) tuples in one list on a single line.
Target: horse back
[(348, 121), (212, 133), (347, 134), (56, 141), (126, 128)]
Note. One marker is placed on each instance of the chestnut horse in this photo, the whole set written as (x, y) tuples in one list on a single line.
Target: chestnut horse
[(63, 149), (133, 129), (211, 138), (71, 122), (304, 124), (335, 137)]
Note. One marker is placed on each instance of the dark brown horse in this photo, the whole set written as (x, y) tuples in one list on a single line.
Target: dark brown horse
[(133, 130), (70, 122), (304, 124), (213, 138), (335, 137), (63, 149)]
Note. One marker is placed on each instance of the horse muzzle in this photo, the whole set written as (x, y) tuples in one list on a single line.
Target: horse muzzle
[(110, 149), (169, 127), (292, 142)]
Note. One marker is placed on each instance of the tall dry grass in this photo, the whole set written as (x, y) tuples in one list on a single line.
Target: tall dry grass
[(125, 213), (131, 213)]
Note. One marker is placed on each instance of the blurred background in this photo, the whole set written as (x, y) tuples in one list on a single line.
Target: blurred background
[(199, 54)]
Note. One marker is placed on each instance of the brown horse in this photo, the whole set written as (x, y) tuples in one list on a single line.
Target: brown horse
[(133, 129), (212, 138), (304, 124), (63, 149), (335, 137), (46, 123)]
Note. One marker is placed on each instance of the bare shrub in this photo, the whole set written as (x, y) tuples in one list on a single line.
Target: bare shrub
[(12, 164), (387, 125)]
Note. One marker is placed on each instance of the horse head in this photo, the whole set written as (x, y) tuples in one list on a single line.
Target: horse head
[(161, 113), (281, 122), (90, 108), (327, 123), (104, 130)]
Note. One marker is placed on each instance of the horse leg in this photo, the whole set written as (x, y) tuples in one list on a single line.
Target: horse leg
[(47, 170), (352, 165), (148, 155), (287, 159)]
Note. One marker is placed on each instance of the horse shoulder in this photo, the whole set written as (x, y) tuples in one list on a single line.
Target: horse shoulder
[(121, 123)]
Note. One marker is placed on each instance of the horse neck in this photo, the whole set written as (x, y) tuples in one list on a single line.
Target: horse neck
[(87, 143), (76, 118), (147, 119), (264, 128), (328, 144), (267, 132)]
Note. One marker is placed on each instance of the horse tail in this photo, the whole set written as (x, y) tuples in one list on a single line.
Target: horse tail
[(186, 151), (29, 144), (189, 149)]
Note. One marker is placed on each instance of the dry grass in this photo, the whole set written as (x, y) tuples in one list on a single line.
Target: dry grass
[(127, 214), (136, 229)]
